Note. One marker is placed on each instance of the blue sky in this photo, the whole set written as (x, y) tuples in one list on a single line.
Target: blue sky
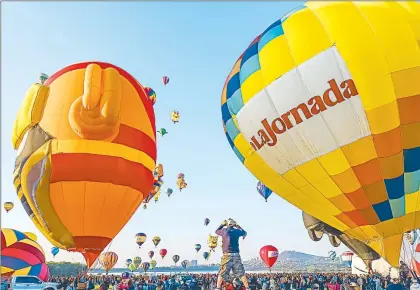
[(196, 45)]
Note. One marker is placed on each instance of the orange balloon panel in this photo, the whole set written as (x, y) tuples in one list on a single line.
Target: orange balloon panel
[(86, 142)]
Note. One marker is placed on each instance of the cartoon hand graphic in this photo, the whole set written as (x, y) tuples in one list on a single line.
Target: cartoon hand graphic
[(96, 114)]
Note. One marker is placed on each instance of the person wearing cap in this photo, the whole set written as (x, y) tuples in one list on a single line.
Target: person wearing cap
[(354, 286), (230, 232)]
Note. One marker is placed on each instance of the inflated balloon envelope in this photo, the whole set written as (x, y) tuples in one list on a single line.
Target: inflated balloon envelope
[(86, 148), (324, 108)]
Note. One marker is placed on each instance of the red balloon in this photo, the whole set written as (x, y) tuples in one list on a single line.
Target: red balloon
[(269, 255), (163, 253)]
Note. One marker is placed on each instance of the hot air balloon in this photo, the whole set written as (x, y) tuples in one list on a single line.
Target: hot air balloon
[(175, 116), (156, 197), (212, 242), (159, 171), (140, 239), (153, 264), (108, 260), (79, 147), (132, 267), (8, 206), (32, 236), (263, 190), (145, 266), (151, 254), (206, 221), (42, 78), (206, 255), (137, 261), (156, 240), (316, 229), (128, 262), (180, 182), (411, 236), (151, 94), (175, 258), (163, 253), (21, 255), (332, 255), (269, 255), (165, 80), (347, 257), (54, 251), (197, 247), (298, 116), (184, 264), (169, 192), (162, 132)]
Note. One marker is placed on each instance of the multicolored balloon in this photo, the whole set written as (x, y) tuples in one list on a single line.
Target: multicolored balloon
[(180, 182), (175, 258), (298, 116), (68, 134), (54, 251), (21, 255), (128, 262), (347, 258), (163, 253), (108, 260), (132, 267), (8, 206), (151, 254), (137, 261), (156, 240), (151, 94), (153, 264), (411, 236), (269, 255), (165, 80), (140, 239), (42, 78), (263, 190), (197, 247), (162, 132), (332, 255), (184, 264), (145, 266)]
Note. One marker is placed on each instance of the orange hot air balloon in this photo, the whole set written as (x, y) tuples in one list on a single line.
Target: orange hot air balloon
[(87, 136), (108, 260)]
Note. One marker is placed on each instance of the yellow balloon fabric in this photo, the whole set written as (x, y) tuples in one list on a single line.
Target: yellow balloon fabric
[(32, 236), (324, 109)]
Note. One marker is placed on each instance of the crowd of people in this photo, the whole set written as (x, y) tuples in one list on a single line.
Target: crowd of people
[(266, 281)]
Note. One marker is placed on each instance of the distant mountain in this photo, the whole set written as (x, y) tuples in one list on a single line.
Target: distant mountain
[(297, 256)]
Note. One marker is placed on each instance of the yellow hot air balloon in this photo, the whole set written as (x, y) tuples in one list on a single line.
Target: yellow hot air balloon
[(137, 261), (32, 236), (324, 109), (175, 116), (108, 260), (153, 264), (212, 242), (156, 197), (8, 206), (79, 147), (158, 171)]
